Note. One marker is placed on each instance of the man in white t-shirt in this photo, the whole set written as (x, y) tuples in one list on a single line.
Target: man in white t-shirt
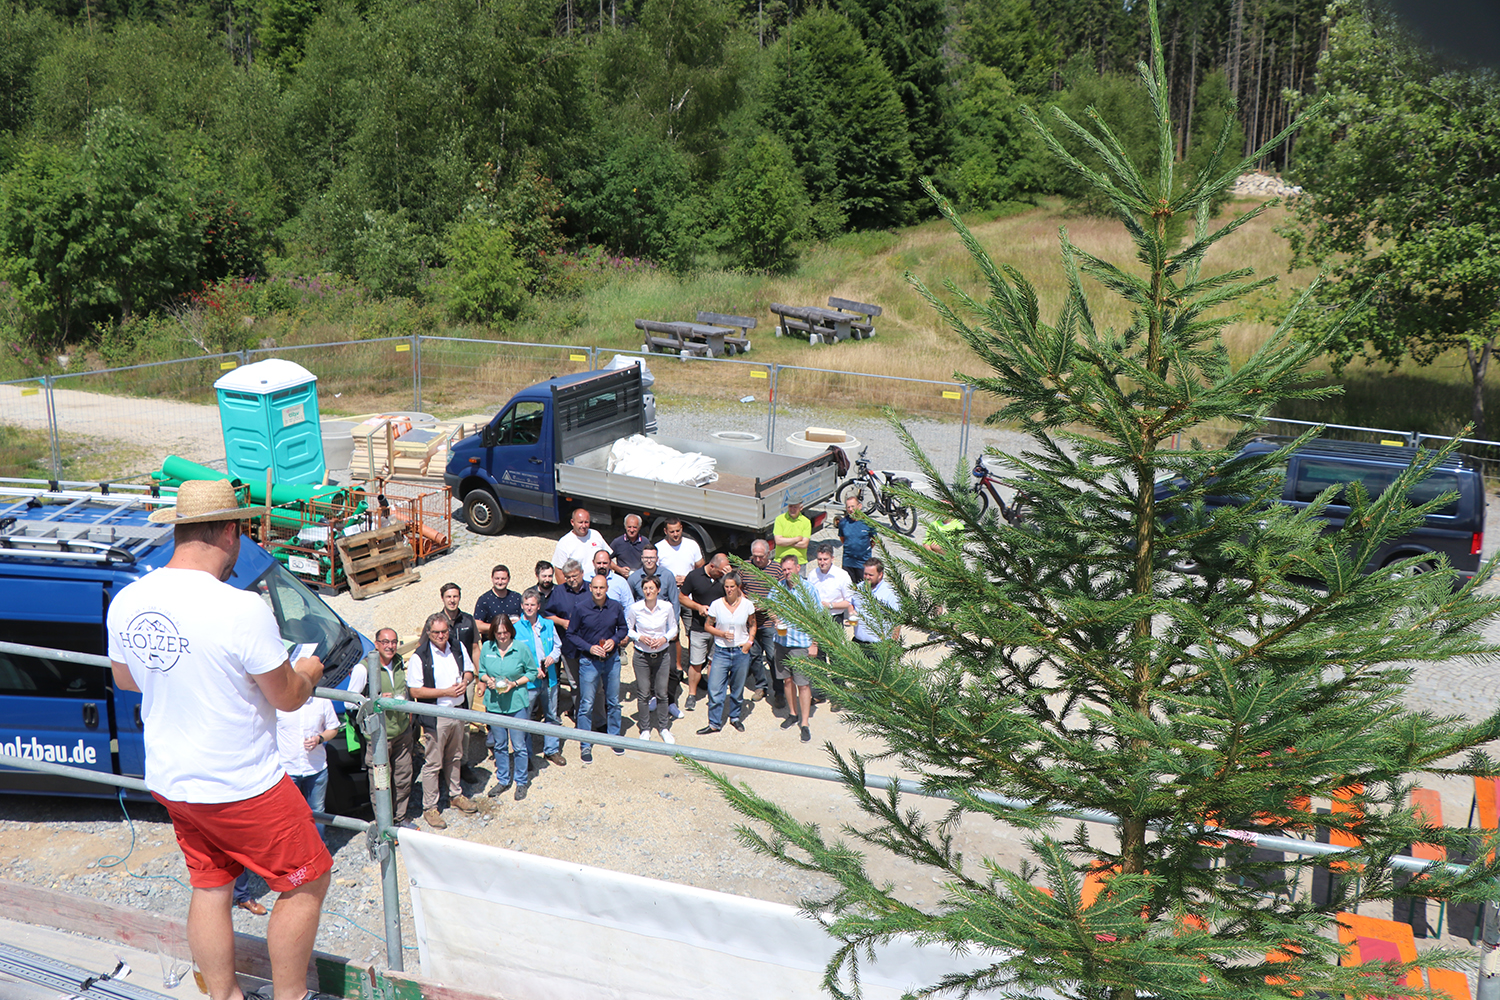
[(581, 543), (677, 554), (439, 674), (832, 585), (300, 739), (212, 671)]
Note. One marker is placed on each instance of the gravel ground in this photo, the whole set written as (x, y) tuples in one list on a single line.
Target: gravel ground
[(638, 813)]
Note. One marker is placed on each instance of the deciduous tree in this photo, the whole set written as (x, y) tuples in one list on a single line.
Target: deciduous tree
[(1402, 207)]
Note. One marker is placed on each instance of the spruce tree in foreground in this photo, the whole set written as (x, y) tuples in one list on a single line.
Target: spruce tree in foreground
[(1077, 670)]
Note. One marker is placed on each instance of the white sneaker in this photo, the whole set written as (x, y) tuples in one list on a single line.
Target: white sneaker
[(666, 736), (644, 734)]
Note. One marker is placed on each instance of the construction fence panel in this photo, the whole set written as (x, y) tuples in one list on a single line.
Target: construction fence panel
[(933, 413), (120, 423), (698, 397), (355, 376), (28, 445), (1485, 453), (469, 380)]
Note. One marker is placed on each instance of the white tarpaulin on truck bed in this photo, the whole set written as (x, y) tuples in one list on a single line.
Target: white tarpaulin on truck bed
[(531, 928), (643, 458)]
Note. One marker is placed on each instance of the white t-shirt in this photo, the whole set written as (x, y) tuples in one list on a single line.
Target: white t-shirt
[(734, 620), (314, 718), (831, 586), (570, 546), (678, 561), (444, 674), (192, 644)]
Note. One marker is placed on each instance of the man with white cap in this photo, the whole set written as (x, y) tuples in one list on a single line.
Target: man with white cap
[(210, 664)]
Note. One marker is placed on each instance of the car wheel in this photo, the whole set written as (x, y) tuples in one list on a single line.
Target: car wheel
[(484, 513)]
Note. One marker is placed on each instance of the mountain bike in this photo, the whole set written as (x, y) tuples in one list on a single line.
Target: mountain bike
[(873, 490), (987, 488)]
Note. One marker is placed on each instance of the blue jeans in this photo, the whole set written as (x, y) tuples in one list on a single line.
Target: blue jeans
[(726, 676), (314, 788), (544, 696), (516, 768), (592, 671)]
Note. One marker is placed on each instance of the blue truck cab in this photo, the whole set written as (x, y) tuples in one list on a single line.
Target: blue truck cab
[(63, 557)]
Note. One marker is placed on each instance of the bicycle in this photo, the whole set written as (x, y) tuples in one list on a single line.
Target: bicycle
[(986, 487), (865, 481)]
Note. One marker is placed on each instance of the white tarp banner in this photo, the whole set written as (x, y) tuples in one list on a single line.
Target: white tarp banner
[(530, 928), (643, 458)]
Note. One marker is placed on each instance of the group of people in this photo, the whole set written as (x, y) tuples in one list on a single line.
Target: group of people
[(208, 659), (691, 620)]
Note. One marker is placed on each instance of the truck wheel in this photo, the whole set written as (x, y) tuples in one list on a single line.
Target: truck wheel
[(484, 513)]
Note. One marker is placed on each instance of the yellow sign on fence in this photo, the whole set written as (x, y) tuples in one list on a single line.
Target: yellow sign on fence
[(403, 347), (949, 394), (30, 392), (224, 366), (756, 374), (578, 357)]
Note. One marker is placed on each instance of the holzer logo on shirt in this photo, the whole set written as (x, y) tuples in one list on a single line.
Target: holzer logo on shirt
[(152, 636)]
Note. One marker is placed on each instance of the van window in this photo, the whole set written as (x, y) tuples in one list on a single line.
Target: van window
[(1314, 475), (38, 677), (1434, 486)]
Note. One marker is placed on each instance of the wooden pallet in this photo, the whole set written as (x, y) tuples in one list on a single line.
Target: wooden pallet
[(377, 561)]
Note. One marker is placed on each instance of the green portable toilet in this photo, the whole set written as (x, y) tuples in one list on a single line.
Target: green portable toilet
[(269, 412)]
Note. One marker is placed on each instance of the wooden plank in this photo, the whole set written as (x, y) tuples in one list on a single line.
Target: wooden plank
[(144, 931), (745, 323), (849, 305)]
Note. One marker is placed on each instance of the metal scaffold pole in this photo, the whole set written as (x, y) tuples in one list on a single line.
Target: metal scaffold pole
[(383, 834)]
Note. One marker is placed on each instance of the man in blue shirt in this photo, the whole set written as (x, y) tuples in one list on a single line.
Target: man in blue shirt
[(877, 589), (594, 635), (558, 608), (858, 536)]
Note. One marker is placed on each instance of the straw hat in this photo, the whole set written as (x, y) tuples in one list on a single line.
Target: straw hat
[(203, 500)]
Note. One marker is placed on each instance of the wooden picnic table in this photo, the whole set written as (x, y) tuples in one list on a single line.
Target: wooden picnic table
[(685, 338), (818, 325)]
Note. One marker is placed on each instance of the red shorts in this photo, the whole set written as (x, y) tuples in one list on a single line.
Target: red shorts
[(272, 834)]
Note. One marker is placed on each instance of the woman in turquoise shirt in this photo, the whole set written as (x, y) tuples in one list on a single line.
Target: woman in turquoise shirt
[(505, 668)]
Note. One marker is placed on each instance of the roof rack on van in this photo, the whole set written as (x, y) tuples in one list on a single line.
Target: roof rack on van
[(76, 525)]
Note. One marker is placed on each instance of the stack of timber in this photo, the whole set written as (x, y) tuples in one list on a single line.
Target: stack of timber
[(390, 448)]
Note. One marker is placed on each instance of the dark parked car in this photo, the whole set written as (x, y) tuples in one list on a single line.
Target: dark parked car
[(1456, 529)]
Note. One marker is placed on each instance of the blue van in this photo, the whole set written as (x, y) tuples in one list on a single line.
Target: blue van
[(63, 556), (1455, 530)]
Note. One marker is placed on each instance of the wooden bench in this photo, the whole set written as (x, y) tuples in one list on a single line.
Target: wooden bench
[(740, 344), (864, 329), (677, 338)]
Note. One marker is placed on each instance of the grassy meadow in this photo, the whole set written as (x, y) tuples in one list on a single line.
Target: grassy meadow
[(911, 341)]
